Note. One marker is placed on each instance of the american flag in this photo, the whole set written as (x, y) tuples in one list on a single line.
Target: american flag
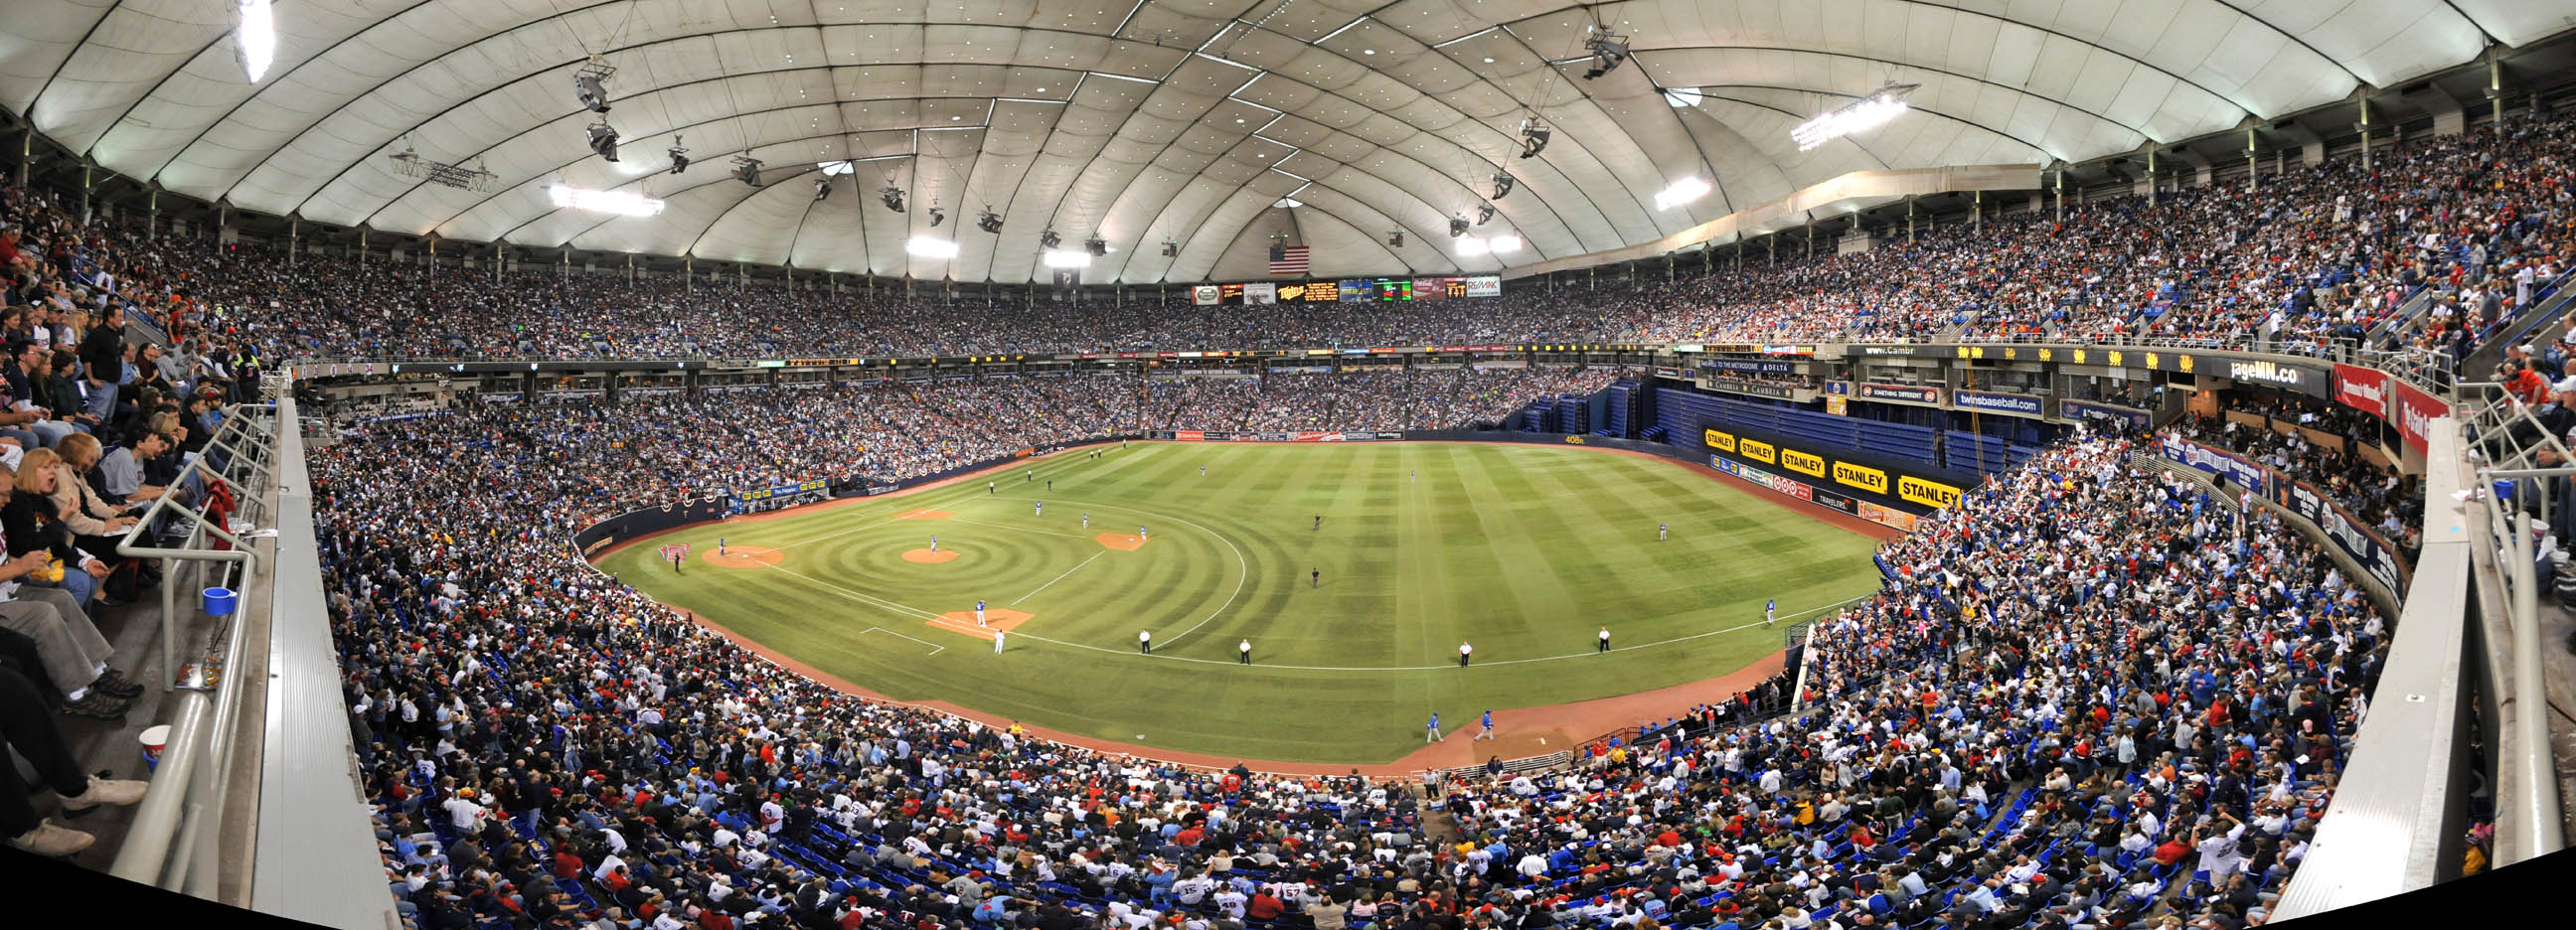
[(1288, 260)]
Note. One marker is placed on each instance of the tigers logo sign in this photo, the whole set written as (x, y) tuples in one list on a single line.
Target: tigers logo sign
[(1797, 461), (1722, 442), (1864, 478), (1757, 451), (1929, 493)]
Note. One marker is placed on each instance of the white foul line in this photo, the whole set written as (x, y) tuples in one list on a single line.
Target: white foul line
[(1068, 571), (934, 647), (1243, 567)]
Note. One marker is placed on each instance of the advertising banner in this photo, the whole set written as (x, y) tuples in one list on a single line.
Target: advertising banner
[(1865, 478), (1891, 517), (1718, 440), (1204, 295), (2415, 411), (1908, 393), (1354, 290), (1261, 292), (2085, 409), (1748, 366), (2364, 389), (1833, 499), (2212, 460), (1804, 462), (1489, 285), (1928, 493), (1991, 402), (1757, 451), (2304, 379), (2375, 554)]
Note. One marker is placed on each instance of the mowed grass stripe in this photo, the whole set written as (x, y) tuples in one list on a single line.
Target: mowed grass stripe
[(1511, 548)]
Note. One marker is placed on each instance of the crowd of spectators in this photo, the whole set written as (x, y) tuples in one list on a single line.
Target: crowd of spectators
[(2377, 495), (2082, 687)]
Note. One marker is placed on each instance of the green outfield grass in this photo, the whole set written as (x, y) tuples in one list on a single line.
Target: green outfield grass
[(1524, 551)]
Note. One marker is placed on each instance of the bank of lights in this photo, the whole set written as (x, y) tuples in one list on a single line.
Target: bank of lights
[(1682, 192), (1497, 245), (1871, 112), (256, 40), (929, 247), (617, 202), (1068, 258)]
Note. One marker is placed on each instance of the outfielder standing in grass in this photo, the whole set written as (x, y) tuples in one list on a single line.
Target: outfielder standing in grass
[(720, 545), (1315, 575), (1662, 532)]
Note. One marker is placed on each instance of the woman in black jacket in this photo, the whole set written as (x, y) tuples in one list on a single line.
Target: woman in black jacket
[(30, 523)]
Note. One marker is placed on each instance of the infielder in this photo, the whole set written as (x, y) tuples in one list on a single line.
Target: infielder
[(1140, 534), (934, 543), (1488, 731), (1316, 576), (1661, 532), (1145, 642), (1202, 471), (1041, 507), (1319, 521), (1086, 519), (675, 561), (979, 615), (720, 545), (992, 487), (1243, 652), (1431, 731)]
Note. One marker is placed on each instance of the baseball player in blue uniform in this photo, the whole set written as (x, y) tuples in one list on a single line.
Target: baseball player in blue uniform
[(1770, 612), (979, 613), (1488, 731)]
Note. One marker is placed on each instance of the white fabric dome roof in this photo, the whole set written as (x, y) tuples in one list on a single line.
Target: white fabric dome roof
[(1160, 120)]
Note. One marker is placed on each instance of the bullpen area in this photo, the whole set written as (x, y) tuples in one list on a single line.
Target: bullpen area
[(1524, 552)]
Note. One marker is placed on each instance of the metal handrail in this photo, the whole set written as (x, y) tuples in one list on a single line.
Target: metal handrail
[(2530, 826), (167, 844)]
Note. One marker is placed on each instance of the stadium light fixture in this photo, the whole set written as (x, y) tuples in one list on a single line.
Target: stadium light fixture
[(1096, 246), (1484, 213), (1533, 137), (1171, 249), (1505, 244), (892, 197), (989, 222), (930, 247), (1067, 258), (747, 170), (1457, 226), (822, 188), (679, 156), (1473, 245), (591, 84), (1608, 52), (256, 39), (937, 217), (1048, 239), (1395, 238), (622, 203), (1502, 185), (1870, 112), (1682, 192), (603, 140)]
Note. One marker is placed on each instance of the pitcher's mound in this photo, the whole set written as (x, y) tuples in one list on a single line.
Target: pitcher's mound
[(928, 557), (1123, 542), (963, 621), (744, 557), (925, 515)]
